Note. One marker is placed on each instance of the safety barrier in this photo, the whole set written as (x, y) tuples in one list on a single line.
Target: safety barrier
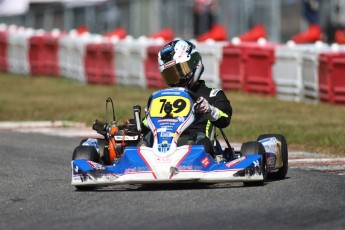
[(232, 67), (310, 79), (37, 54), (248, 66), (212, 54), (77, 54), (72, 49), (331, 77), (311, 72), (51, 60), (153, 76), (130, 61), (18, 46), (43, 53), (99, 64), (3, 49), (259, 60), (287, 71)]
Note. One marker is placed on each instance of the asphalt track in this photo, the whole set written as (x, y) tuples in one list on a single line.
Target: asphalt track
[(36, 194)]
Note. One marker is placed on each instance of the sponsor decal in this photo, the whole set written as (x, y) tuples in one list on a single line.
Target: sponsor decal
[(131, 170), (126, 138), (163, 159), (185, 167), (235, 162), (163, 129), (271, 161), (171, 93), (169, 64), (166, 134), (168, 120), (135, 170), (181, 119), (189, 167), (205, 162), (95, 165), (110, 176), (180, 48)]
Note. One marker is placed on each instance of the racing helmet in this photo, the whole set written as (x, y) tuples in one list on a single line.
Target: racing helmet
[(180, 64)]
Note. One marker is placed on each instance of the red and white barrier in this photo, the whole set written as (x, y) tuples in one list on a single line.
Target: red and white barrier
[(131, 55), (99, 64), (311, 72), (18, 47), (310, 65), (51, 49), (212, 54), (3, 48), (287, 71), (248, 66), (331, 77)]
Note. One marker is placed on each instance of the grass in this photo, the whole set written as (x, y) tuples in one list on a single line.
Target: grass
[(307, 127)]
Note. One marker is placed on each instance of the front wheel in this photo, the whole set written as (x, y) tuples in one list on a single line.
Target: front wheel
[(282, 171), (255, 147), (86, 153)]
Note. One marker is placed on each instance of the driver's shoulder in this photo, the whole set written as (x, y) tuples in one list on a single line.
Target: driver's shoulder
[(214, 92)]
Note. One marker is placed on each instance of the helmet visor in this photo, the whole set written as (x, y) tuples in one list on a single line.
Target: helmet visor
[(178, 72)]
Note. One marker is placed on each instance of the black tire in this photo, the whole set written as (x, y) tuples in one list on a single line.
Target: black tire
[(281, 173), (87, 153), (254, 147), (102, 149), (103, 146)]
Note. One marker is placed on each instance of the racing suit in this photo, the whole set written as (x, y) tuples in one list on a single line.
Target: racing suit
[(200, 132)]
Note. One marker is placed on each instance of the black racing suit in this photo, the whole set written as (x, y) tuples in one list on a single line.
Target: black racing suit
[(218, 99), (201, 130)]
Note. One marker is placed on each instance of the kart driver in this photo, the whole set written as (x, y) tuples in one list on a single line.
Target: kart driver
[(181, 66)]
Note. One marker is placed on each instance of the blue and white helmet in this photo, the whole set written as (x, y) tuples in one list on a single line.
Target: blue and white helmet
[(180, 64)]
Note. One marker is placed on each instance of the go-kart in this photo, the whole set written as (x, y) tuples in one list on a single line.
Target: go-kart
[(124, 157)]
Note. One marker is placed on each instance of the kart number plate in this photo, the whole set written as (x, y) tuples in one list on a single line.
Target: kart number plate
[(181, 106)]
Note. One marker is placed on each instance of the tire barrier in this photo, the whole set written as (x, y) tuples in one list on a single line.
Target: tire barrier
[(301, 73)]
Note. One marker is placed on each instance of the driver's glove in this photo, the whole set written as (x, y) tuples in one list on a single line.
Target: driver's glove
[(202, 106)]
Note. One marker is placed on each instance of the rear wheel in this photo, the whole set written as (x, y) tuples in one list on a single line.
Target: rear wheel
[(87, 153), (254, 147), (281, 173)]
